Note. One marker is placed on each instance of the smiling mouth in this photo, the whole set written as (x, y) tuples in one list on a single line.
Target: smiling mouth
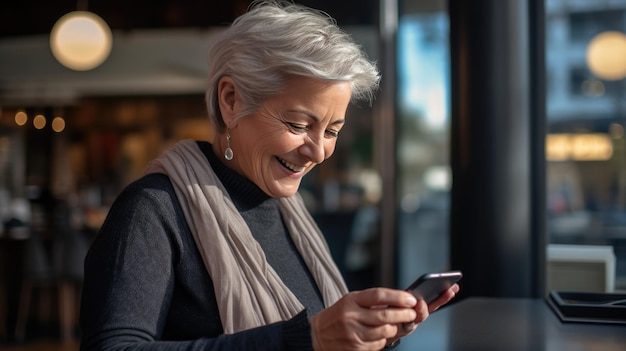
[(291, 166)]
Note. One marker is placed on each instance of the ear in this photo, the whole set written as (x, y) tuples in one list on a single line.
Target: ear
[(227, 98)]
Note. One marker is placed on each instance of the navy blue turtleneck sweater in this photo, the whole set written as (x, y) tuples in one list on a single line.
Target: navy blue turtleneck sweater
[(146, 287)]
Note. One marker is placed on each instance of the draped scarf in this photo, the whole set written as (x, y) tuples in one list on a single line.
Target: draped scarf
[(249, 292)]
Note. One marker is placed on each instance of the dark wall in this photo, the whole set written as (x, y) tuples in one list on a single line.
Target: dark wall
[(18, 18)]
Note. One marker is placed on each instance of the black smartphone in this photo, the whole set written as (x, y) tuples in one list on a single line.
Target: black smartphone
[(431, 285)]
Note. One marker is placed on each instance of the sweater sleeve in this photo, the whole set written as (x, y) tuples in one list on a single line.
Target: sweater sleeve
[(133, 276)]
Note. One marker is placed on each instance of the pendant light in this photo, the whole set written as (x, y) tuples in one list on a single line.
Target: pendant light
[(81, 40)]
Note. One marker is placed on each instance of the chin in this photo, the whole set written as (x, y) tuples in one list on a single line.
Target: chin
[(284, 191), (283, 194)]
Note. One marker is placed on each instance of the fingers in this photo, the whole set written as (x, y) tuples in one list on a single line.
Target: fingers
[(422, 311), (387, 315), (370, 319), (332, 331), (382, 297), (444, 298), (388, 306), (365, 320), (382, 332)]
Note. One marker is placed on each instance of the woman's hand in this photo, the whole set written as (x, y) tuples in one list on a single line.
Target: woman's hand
[(443, 299), (371, 319), (366, 320)]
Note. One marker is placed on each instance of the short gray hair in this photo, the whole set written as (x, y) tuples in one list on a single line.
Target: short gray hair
[(276, 40)]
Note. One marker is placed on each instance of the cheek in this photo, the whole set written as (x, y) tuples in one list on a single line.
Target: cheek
[(265, 147), (269, 141)]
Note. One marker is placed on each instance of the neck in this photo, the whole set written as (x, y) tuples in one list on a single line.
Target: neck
[(219, 145)]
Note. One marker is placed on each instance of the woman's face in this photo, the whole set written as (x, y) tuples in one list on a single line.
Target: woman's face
[(290, 134)]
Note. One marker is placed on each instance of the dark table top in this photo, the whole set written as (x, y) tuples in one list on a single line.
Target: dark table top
[(510, 324)]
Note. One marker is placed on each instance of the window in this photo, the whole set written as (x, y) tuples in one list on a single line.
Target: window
[(586, 146), (423, 124)]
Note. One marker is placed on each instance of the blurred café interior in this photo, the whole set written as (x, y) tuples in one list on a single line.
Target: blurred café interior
[(496, 143)]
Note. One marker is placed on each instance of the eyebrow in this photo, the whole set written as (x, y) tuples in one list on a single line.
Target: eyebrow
[(315, 118)]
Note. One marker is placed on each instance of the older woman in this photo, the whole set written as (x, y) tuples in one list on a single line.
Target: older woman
[(213, 248)]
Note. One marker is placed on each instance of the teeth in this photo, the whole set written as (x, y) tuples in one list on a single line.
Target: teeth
[(291, 166)]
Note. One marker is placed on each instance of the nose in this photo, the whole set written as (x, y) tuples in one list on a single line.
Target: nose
[(313, 148)]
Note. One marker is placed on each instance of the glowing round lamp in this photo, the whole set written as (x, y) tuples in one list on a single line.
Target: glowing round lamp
[(606, 55), (81, 40)]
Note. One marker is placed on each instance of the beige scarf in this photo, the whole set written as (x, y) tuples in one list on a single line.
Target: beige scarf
[(249, 292)]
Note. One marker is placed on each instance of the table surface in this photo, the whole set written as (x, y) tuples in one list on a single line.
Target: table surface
[(510, 324)]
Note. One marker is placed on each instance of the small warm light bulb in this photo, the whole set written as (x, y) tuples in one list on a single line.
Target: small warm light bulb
[(21, 118), (39, 121), (58, 124), (606, 55), (81, 40)]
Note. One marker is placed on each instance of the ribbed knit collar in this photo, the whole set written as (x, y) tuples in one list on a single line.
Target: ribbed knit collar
[(243, 192)]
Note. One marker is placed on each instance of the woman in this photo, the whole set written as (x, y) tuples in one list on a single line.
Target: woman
[(213, 247)]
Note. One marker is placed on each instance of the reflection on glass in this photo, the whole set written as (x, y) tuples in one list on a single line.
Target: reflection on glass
[(586, 110), (423, 127)]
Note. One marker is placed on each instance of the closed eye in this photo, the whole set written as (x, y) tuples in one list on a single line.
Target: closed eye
[(332, 133), (298, 128)]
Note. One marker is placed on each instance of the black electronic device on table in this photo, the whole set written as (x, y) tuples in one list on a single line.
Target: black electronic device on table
[(588, 307), (431, 285)]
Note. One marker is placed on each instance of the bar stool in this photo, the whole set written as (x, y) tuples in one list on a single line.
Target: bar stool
[(62, 271), (68, 259), (3, 303), (36, 272), (10, 252)]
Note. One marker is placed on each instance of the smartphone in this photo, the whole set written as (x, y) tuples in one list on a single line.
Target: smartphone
[(431, 285)]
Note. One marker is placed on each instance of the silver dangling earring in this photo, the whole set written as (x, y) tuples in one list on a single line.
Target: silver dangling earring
[(228, 153)]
